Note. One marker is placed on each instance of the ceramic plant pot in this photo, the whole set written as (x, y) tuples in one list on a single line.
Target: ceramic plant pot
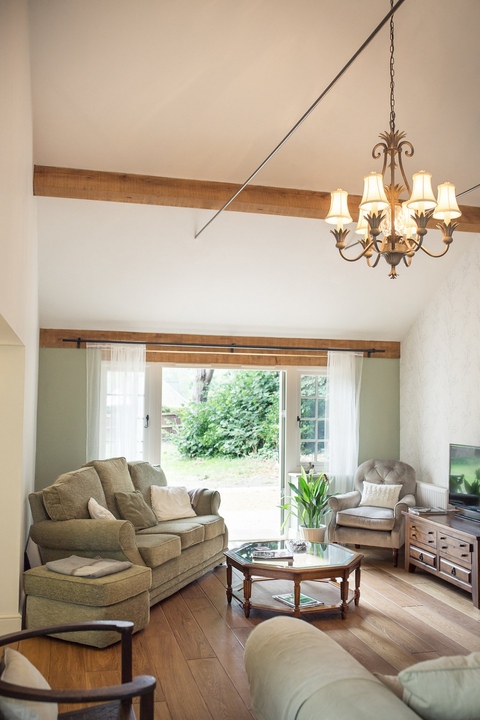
[(313, 535)]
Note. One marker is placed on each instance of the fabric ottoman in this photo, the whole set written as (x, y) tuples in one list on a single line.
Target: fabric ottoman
[(53, 599)]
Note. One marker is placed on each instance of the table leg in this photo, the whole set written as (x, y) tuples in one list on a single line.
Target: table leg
[(296, 598), (247, 593), (229, 582), (357, 585), (344, 596)]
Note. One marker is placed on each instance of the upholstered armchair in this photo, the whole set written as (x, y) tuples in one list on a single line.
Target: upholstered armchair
[(372, 513)]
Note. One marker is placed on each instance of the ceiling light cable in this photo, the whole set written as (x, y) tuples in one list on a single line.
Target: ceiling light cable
[(307, 113)]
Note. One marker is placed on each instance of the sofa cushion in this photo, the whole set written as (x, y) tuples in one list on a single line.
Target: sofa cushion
[(367, 518), (132, 507), (213, 525), (67, 498), (114, 476), (145, 475), (158, 549), (16, 669), (447, 688), (171, 503), (189, 531), (380, 495)]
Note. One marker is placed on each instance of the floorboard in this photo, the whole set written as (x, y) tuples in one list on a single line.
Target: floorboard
[(195, 641)]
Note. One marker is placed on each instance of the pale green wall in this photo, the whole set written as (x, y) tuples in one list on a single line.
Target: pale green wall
[(61, 416), (380, 409), (61, 434)]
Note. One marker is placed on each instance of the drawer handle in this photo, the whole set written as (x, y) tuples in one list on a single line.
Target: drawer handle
[(463, 545), (444, 547), (420, 557), (430, 532), (430, 542), (454, 572), (464, 555)]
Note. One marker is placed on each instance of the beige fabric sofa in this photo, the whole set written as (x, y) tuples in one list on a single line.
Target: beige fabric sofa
[(297, 672), (177, 551)]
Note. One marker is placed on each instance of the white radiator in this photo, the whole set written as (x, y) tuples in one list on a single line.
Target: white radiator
[(431, 495)]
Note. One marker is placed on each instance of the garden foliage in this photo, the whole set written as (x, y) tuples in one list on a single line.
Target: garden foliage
[(239, 418)]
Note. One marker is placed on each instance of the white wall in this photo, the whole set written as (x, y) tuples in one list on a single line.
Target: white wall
[(440, 372), (18, 304)]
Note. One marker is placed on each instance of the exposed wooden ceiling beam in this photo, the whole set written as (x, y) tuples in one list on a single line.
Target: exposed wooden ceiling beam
[(207, 195)]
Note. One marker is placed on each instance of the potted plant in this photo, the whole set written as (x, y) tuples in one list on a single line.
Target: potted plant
[(309, 504)]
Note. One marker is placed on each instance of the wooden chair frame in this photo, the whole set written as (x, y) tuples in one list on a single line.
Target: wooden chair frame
[(116, 699)]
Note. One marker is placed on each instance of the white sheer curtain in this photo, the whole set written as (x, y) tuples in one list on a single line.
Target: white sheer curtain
[(115, 400), (344, 379)]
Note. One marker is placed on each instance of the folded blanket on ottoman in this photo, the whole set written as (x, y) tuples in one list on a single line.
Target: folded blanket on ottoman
[(87, 567)]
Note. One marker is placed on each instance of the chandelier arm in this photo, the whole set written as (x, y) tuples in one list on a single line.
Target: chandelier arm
[(432, 255), (364, 252), (375, 263)]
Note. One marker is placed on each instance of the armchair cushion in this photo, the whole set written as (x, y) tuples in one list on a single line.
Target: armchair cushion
[(17, 670), (380, 495), (367, 518)]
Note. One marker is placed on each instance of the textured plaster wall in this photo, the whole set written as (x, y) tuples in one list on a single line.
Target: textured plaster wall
[(440, 373)]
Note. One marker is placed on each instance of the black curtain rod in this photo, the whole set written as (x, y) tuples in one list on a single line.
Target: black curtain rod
[(232, 347)]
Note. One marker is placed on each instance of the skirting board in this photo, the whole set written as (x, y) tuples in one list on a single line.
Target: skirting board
[(10, 623)]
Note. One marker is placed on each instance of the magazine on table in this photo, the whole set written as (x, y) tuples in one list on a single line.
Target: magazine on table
[(421, 510), (305, 600), (269, 554)]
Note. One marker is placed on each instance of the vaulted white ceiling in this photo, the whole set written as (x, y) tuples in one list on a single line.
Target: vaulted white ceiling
[(205, 89)]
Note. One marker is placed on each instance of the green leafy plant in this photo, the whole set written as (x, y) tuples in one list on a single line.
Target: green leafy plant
[(309, 499)]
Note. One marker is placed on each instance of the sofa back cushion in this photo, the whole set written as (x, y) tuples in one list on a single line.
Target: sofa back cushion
[(144, 476), (114, 476), (67, 498)]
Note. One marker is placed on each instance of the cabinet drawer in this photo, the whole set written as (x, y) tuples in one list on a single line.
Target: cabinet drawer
[(455, 548), (423, 556), (455, 571), (421, 535)]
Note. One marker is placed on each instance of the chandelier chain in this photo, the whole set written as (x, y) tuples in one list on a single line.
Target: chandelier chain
[(392, 72)]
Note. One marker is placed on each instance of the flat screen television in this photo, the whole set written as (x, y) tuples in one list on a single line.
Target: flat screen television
[(464, 480)]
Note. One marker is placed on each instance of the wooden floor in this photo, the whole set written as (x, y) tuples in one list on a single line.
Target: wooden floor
[(194, 642)]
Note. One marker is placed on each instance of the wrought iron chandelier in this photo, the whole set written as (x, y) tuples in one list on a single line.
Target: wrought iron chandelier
[(389, 227)]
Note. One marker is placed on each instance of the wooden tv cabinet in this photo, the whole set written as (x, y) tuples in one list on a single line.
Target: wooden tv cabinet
[(446, 546)]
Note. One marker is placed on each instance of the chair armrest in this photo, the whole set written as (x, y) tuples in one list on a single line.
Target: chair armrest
[(403, 505), (345, 501), (205, 501), (101, 537), (142, 685)]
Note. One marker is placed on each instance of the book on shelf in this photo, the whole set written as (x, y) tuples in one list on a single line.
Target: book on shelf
[(268, 554), (421, 510), (305, 600)]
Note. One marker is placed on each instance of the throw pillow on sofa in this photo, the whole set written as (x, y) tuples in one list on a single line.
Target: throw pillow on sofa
[(99, 512), (447, 688), (171, 503), (132, 507)]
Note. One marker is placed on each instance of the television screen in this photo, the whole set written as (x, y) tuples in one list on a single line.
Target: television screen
[(464, 477)]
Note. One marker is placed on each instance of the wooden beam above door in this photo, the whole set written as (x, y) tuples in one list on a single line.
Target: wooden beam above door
[(202, 194)]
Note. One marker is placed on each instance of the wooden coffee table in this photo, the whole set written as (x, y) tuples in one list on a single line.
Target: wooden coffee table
[(324, 569)]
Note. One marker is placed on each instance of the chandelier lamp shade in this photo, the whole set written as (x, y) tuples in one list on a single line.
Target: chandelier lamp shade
[(389, 226)]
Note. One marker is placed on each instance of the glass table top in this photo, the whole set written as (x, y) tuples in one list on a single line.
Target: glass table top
[(281, 552)]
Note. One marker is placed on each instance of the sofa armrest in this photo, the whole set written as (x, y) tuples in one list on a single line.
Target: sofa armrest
[(204, 501), (108, 538), (297, 671)]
